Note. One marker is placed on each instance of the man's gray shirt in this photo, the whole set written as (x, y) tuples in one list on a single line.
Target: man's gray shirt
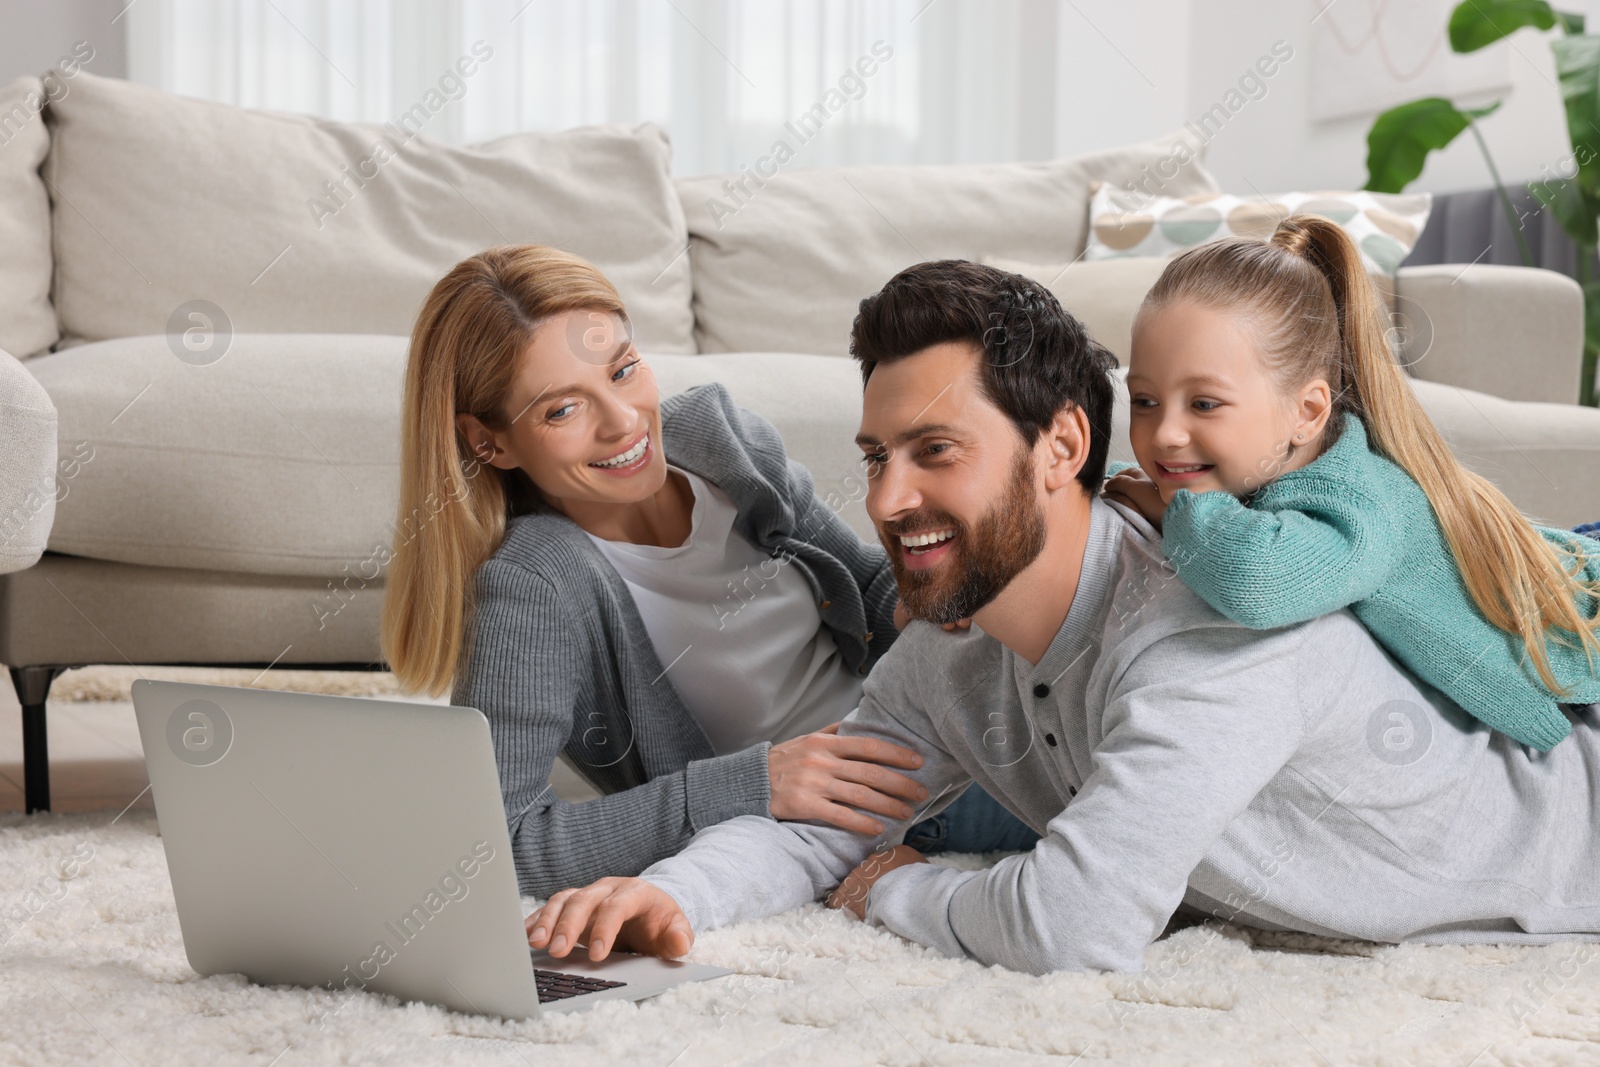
[(1295, 778)]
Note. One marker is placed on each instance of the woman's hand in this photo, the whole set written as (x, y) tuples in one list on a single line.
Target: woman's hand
[(902, 619), (823, 776), (626, 913), (1134, 488), (852, 892)]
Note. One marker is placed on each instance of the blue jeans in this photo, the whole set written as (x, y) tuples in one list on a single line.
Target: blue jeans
[(974, 822), (1590, 529)]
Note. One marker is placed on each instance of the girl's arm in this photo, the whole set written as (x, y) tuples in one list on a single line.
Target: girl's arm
[(524, 672), (1266, 569)]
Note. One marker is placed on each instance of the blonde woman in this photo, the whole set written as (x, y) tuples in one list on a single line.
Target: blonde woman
[(648, 586)]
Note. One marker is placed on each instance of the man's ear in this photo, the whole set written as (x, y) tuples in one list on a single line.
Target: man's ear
[(1066, 445), (1314, 408)]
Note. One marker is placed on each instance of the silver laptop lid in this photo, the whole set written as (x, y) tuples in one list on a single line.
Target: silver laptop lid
[(338, 841)]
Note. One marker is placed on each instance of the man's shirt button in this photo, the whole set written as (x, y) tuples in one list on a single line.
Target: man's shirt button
[(1041, 690)]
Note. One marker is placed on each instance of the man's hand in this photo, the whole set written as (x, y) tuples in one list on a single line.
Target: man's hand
[(1134, 488), (824, 776), (902, 619), (626, 913), (852, 892)]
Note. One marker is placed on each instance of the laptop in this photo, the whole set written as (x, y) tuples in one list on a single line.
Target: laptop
[(351, 843)]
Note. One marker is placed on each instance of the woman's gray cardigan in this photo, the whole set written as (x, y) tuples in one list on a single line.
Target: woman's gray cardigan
[(559, 660)]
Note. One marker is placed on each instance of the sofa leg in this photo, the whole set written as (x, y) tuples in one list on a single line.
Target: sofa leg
[(33, 688)]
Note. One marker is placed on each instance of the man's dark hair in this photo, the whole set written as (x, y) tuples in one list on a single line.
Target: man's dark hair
[(1037, 358)]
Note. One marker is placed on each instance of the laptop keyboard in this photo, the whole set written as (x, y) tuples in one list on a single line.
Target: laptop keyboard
[(554, 985)]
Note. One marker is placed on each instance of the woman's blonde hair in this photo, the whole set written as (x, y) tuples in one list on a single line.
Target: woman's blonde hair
[(465, 353), (1313, 311)]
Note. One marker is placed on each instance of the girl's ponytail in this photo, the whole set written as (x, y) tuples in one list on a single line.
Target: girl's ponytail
[(1518, 579)]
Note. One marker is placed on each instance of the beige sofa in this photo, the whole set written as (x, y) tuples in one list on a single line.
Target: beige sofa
[(216, 301)]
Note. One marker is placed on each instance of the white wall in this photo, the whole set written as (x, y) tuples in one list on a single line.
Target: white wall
[(34, 36), (1125, 70), (1131, 69), (1273, 145)]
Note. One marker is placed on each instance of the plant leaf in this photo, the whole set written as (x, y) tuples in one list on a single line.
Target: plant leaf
[(1578, 65), (1474, 24), (1401, 138), (1571, 207), (1591, 302)]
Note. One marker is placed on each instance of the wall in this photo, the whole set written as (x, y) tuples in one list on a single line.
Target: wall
[(1127, 70), (35, 34), (1122, 73), (1271, 145)]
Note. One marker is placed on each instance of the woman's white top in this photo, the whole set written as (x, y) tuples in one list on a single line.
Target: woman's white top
[(738, 632)]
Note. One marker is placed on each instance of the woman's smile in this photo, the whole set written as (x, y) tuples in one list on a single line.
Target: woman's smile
[(630, 460)]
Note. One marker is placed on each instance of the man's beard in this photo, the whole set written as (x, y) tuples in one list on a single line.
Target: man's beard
[(982, 561)]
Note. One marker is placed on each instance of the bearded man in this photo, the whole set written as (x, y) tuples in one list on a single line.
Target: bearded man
[(1168, 755)]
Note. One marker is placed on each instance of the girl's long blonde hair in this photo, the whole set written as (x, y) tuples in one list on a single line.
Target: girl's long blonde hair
[(1314, 313), (465, 351)]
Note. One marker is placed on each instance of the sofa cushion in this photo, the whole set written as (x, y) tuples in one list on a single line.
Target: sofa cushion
[(1545, 457), (280, 458), (1104, 295), (289, 223), (27, 321), (814, 401), (283, 457), (768, 276), (1383, 226)]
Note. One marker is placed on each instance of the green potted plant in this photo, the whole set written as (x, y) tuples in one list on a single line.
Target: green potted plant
[(1401, 138)]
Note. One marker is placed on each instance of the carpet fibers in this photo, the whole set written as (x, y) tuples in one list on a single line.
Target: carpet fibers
[(94, 972)]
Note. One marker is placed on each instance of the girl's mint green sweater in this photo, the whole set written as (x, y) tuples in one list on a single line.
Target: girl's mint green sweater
[(1353, 529)]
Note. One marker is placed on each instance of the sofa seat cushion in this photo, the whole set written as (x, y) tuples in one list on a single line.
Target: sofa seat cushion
[(289, 223), (282, 458)]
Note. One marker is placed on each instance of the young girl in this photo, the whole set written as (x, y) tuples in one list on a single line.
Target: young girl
[(1293, 473)]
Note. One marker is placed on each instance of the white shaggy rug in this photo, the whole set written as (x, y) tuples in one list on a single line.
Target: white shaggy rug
[(92, 971), (113, 683)]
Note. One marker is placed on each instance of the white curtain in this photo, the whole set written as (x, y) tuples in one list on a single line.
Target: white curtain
[(963, 81)]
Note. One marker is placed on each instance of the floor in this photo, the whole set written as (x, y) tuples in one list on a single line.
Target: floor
[(97, 762)]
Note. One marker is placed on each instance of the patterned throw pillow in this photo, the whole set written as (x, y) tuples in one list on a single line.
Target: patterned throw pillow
[(1384, 226)]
